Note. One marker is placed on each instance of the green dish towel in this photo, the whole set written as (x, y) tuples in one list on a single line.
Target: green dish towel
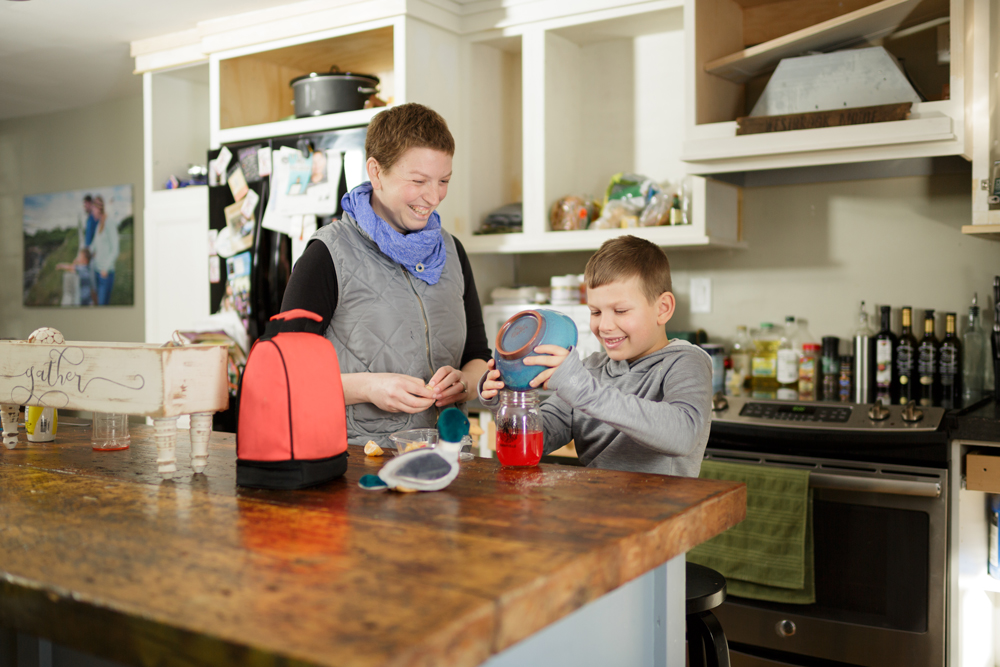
[(769, 556)]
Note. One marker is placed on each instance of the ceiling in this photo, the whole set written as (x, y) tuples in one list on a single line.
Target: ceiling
[(63, 54)]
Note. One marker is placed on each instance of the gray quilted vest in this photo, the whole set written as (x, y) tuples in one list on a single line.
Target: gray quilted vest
[(388, 321)]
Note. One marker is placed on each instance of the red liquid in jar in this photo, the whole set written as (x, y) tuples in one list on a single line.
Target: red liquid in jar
[(519, 448)]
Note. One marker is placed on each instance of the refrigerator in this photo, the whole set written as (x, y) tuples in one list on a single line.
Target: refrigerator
[(252, 260)]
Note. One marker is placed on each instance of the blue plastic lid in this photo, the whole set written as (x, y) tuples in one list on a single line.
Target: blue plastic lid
[(995, 502)]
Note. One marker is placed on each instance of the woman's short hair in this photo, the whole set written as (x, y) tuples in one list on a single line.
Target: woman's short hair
[(396, 130), (629, 256)]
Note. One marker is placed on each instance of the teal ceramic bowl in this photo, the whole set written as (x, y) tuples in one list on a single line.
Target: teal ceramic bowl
[(520, 335)]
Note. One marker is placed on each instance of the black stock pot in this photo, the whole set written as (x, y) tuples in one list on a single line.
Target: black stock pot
[(332, 92)]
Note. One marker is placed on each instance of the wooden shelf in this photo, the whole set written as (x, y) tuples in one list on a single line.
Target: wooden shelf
[(333, 121), (686, 236), (860, 26), (991, 231)]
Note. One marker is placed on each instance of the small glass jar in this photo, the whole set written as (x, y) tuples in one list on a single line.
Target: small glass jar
[(519, 428), (110, 432)]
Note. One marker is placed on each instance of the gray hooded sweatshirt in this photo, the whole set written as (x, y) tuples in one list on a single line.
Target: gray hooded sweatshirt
[(650, 416)]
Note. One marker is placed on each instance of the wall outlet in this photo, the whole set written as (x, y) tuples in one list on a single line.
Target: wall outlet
[(701, 295)]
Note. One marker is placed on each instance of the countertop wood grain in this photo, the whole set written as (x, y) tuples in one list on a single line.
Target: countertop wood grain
[(99, 553)]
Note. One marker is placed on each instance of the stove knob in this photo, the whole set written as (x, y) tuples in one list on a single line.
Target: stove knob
[(785, 628), (719, 402), (877, 412), (911, 413)]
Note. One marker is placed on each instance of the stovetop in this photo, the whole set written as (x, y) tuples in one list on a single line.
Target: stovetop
[(843, 417), (837, 431)]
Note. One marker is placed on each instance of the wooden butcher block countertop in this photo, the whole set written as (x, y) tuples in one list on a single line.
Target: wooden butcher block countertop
[(100, 554)]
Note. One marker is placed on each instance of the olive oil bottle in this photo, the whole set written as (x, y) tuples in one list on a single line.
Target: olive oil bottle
[(950, 365), (904, 357), (928, 373)]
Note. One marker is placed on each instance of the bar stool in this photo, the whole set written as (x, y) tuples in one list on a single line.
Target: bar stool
[(705, 590)]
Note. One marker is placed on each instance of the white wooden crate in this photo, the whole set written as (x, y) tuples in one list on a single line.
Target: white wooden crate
[(132, 378)]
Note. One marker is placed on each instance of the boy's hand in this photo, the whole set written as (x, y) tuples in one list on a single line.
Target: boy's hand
[(493, 383), (554, 355)]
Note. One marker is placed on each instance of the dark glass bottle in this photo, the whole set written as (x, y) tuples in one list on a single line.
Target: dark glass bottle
[(929, 377), (950, 366), (830, 369), (905, 357), (886, 380)]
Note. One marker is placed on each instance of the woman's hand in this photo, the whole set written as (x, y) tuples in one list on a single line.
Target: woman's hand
[(394, 392), (493, 383), (553, 356), (449, 386)]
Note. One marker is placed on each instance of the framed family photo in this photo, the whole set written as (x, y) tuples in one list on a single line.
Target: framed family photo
[(79, 248)]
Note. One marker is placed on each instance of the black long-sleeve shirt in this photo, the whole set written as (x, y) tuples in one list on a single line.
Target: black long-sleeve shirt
[(313, 287)]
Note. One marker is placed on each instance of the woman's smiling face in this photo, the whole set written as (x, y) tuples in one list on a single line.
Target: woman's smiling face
[(406, 194)]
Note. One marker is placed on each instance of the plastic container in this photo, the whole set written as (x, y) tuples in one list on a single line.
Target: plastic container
[(764, 365), (788, 362), (521, 334), (740, 354), (40, 423), (718, 354), (109, 432), (994, 562), (424, 437), (564, 290), (520, 440)]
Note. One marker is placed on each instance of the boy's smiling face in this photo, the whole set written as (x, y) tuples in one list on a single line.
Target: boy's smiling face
[(628, 325), (407, 194)]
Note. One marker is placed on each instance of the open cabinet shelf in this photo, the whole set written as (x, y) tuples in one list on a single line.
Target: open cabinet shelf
[(861, 26), (255, 88), (737, 43), (559, 110)]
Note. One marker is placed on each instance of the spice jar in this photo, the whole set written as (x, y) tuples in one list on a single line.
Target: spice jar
[(519, 428), (808, 371)]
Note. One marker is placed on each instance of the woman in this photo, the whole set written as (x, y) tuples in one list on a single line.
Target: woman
[(395, 291), (105, 250)]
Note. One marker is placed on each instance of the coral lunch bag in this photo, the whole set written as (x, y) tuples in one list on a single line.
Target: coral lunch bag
[(291, 422)]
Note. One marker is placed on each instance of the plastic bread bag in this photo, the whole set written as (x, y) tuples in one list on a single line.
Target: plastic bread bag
[(657, 211), (568, 214), (634, 189), (612, 215)]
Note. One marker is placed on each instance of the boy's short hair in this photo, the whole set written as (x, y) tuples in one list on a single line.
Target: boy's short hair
[(629, 256), (396, 130)]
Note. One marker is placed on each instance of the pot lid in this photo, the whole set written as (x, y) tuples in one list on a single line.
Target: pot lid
[(341, 75)]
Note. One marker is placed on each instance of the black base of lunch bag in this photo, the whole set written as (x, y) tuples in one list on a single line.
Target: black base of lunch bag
[(289, 475)]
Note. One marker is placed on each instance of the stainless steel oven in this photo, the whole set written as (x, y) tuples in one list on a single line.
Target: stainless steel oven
[(880, 533)]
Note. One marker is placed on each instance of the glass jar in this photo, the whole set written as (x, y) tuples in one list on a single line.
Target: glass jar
[(519, 428)]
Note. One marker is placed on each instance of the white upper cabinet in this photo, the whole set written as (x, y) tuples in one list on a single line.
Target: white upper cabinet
[(734, 46), (559, 106), (548, 98), (985, 53)]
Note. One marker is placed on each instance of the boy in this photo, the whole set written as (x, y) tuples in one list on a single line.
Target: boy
[(644, 404)]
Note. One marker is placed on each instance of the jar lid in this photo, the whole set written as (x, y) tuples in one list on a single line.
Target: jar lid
[(813, 347)]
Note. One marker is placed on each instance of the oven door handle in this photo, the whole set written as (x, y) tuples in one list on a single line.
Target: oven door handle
[(898, 487)]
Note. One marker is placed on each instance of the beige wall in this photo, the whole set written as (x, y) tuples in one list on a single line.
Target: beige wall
[(93, 146), (816, 250)]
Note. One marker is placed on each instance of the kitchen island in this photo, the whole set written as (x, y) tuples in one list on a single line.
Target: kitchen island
[(100, 554)]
